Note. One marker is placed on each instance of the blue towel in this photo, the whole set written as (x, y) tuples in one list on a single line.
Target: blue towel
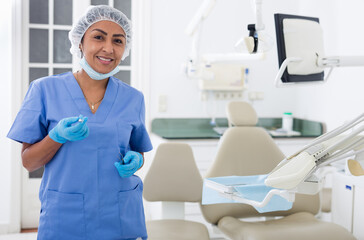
[(248, 187)]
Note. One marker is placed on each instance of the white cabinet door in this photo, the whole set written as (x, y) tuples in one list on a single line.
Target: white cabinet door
[(358, 213), (342, 200), (30, 206)]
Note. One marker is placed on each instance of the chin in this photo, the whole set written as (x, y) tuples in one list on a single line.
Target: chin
[(104, 71)]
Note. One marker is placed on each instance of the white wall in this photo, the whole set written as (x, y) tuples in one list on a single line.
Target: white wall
[(226, 24), (341, 98), (332, 103), (5, 116)]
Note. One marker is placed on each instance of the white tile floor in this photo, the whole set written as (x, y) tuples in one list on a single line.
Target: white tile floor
[(20, 236), (33, 236)]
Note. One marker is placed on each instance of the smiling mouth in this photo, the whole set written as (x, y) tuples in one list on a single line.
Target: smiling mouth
[(105, 59)]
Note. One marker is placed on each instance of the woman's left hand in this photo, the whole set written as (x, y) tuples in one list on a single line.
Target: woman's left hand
[(132, 162)]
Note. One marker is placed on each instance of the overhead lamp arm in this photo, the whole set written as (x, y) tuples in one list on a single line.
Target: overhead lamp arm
[(194, 29)]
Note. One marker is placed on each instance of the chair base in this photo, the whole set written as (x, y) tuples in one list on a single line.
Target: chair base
[(169, 229), (298, 226)]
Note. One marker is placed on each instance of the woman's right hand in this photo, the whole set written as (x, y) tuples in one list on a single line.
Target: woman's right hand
[(70, 129)]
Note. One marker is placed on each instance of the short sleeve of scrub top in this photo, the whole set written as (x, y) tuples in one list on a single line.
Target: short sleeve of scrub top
[(139, 139), (30, 124)]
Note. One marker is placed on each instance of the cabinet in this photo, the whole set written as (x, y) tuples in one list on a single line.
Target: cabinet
[(347, 202)]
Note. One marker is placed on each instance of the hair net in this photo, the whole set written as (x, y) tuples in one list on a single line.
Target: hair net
[(96, 14)]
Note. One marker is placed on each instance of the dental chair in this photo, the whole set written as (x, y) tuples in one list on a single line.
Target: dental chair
[(244, 150), (174, 177)]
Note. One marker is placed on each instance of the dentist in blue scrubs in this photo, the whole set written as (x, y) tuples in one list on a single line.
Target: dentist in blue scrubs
[(87, 129)]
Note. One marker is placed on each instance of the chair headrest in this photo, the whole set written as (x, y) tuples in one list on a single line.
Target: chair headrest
[(241, 114), (173, 175)]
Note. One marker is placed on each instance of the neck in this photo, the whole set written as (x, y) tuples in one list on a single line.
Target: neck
[(87, 83), (93, 90)]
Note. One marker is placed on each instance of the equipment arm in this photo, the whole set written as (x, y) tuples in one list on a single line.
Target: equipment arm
[(330, 147)]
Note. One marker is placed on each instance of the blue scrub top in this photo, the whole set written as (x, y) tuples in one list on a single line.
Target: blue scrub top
[(82, 195)]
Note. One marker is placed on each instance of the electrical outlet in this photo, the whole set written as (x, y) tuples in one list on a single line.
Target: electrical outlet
[(162, 103), (252, 96), (256, 96), (260, 95), (204, 96)]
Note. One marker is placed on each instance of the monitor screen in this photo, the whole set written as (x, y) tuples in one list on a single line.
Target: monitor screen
[(300, 37)]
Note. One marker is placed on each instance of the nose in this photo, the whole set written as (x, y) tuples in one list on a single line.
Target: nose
[(108, 47)]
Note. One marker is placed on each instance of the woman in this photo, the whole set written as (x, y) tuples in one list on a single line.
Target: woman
[(79, 126)]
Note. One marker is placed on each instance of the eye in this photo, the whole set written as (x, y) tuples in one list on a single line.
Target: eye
[(98, 37), (119, 41)]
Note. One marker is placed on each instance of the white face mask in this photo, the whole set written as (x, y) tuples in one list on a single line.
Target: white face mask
[(96, 75)]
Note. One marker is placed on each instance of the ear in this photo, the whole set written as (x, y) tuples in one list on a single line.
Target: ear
[(80, 46)]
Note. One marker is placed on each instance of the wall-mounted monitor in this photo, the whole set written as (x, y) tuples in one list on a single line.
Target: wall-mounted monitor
[(301, 38)]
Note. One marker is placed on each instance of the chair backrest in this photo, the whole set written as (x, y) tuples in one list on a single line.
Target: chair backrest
[(244, 150), (173, 175)]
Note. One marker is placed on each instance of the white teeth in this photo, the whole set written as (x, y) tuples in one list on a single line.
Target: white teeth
[(104, 59)]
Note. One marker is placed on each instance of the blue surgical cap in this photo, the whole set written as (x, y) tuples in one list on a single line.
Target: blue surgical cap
[(96, 14)]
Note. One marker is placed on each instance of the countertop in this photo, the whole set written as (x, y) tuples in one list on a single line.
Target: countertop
[(202, 128)]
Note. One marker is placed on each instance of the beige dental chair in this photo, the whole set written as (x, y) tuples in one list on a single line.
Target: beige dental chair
[(174, 177), (245, 149)]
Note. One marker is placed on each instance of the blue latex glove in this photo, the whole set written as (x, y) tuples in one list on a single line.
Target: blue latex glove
[(132, 162), (70, 129)]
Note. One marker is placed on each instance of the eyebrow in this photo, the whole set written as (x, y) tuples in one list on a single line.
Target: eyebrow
[(105, 33)]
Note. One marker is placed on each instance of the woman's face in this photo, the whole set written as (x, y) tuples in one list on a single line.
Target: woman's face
[(103, 46)]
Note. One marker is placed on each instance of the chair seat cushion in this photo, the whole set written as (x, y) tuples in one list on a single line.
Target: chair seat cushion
[(169, 229), (298, 226)]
